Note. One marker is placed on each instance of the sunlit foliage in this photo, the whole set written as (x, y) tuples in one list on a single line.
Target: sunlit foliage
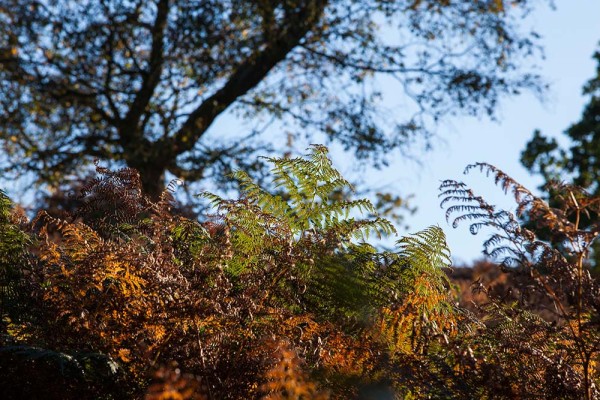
[(275, 294)]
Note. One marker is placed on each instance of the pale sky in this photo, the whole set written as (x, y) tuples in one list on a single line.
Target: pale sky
[(570, 34)]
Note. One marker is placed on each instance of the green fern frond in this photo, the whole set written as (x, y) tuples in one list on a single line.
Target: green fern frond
[(426, 254), (5, 207), (302, 201), (426, 250), (345, 285), (415, 277)]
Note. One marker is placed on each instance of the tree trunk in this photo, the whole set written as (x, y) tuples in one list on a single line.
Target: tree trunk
[(153, 180), (148, 158)]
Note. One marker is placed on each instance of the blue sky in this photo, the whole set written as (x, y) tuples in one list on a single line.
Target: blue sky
[(570, 34)]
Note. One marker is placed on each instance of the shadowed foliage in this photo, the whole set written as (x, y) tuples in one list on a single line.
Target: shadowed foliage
[(143, 83)]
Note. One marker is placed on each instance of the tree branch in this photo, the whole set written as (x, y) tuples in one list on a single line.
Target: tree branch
[(248, 75), (151, 77)]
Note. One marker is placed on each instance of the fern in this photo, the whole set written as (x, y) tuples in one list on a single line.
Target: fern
[(302, 208), (305, 198), (415, 277), (349, 281), (14, 261), (286, 380), (426, 252), (286, 266), (553, 268), (345, 287)]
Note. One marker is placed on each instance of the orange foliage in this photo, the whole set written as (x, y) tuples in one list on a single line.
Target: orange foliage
[(286, 380), (234, 308)]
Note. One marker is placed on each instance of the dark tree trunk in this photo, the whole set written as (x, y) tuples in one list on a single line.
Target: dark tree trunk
[(153, 180), (150, 159)]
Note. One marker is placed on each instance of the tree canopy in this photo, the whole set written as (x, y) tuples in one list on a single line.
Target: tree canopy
[(578, 164), (581, 160), (142, 82)]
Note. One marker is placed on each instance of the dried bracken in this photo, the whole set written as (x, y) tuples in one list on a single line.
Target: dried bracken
[(550, 358), (275, 294)]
